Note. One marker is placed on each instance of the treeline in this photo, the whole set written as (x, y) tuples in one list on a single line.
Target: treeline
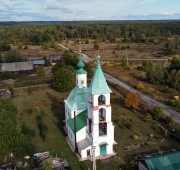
[(12, 56), (146, 32), (159, 74), (173, 46)]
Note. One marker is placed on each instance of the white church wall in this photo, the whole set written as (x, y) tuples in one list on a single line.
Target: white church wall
[(95, 132), (107, 96), (81, 134), (109, 148), (95, 100), (108, 114), (71, 137), (95, 117), (76, 112), (84, 152), (81, 80), (90, 111)]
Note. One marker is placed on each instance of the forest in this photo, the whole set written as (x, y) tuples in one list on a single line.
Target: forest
[(39, 33)]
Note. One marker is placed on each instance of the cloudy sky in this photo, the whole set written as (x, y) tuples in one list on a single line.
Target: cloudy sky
[(68, 10)]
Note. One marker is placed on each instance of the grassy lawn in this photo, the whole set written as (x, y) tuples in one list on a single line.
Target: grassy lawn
[(50, 104)]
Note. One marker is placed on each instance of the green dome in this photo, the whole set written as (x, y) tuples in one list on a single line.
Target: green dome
[(80, 64)]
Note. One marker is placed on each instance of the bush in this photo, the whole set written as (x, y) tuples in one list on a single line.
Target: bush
[(135, 137), (40, 71), (148, 117), (168, 90), (27, 131), (157, 112), (176, 104), (169, 121), (4, 46), (6, 75), (42, 127), (165, 133), (30, 110), (10, 87), (151, 135), (140, 86)]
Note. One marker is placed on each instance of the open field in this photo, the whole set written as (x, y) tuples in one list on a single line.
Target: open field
[(37, 51), (118, 49), (131, 75), (50, 104)]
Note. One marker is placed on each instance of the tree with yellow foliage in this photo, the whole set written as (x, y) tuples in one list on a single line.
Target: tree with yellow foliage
[(132, 100)]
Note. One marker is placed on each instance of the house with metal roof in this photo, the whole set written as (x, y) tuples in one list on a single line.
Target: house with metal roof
[(88, 115), (16, 66), (168, 161), (38, 62)]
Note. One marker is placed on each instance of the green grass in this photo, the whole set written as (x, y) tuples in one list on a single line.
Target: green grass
[(51, 106), (51, 102)]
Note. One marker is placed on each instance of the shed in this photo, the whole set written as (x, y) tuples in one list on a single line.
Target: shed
[(38, 62), (5, 94), (168, 161)]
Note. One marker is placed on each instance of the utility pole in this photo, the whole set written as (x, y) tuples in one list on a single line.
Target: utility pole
[(127, 62), (80, 47), (94, 157)]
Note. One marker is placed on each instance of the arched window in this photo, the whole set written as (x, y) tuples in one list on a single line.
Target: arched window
[(102, 115), (102, 129), (101, 100)]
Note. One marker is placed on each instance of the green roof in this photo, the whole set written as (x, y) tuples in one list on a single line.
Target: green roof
[(98, 84), (169, 161), (77, 99), (80, 65), (81, 121)]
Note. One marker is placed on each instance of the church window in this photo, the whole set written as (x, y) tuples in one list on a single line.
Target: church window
[(82, 81), (102, 129), (101, 100), (88, 152), (90, 122), (102, 115)]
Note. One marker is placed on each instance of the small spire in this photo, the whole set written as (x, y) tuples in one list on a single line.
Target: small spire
[(80, 64), (98, 58)]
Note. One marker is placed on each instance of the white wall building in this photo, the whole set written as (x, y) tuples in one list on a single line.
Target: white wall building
[(88, 115)]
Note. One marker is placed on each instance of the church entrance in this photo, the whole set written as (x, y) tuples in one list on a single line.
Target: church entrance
[(103, 149)]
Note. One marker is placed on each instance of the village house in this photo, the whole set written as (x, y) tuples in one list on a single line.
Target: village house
[(38, 62), (26, 66), (88, 115)]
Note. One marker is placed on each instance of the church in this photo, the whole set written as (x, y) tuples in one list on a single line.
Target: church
[(88, 121)]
